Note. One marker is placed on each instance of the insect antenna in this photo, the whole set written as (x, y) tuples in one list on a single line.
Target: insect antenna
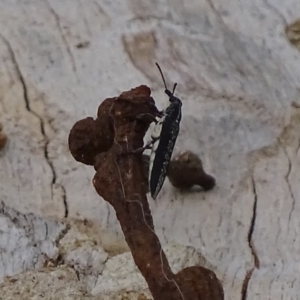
[(162, 75), (174, 87)]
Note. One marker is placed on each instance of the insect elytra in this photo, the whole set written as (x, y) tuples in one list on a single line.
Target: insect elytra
[(164, 137)]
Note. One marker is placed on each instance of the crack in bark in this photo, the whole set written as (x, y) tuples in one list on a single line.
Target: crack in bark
[(287, 180), (252, 225), (251, 245), (63, 37), (47, 231), (245, 284), (62, 234), (41, 120), (64, 197)]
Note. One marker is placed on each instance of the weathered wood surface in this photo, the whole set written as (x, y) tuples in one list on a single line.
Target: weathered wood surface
[(239, 78)]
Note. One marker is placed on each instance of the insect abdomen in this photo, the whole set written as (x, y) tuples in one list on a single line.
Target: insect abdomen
[(162, 149)]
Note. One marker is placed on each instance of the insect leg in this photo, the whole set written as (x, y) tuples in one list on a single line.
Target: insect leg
[(147, 146), (147, 117)]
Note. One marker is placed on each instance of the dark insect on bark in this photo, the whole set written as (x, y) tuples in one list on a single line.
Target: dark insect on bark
[(164, 137)]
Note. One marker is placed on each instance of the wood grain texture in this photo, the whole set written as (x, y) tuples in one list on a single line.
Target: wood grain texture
[(26, 241), (238, 77)]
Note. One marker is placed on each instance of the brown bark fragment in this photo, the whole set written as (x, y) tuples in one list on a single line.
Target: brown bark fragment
[(186, 170), (121, 180)]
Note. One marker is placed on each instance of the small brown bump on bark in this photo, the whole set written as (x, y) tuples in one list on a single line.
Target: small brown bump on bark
[(3, 138), (186, 170), (83, 45), (293, 33)]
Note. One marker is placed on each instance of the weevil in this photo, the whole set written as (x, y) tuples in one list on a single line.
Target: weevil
[(163, 138)]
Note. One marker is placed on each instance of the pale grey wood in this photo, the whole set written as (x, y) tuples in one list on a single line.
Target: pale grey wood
[(26, 241), (239, 79)]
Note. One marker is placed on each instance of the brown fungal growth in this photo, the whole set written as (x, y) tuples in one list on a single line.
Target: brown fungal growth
[(121, 180), (186, 170), (3, 138)]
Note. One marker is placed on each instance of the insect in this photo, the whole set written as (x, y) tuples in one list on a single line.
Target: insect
[(163, 137)]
